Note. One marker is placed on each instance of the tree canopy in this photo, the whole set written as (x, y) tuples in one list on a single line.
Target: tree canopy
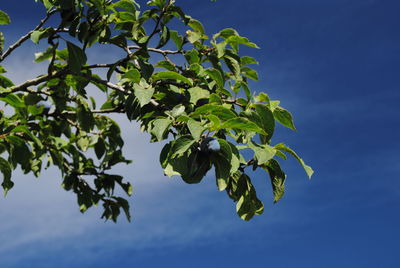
[(179, 83)]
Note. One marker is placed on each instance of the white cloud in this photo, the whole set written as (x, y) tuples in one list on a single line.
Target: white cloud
[(166, 211)]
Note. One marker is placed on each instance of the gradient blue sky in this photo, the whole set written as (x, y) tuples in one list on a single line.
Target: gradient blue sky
[(335, 65)]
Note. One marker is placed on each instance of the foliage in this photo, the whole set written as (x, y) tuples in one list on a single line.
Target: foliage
[(196, 97)]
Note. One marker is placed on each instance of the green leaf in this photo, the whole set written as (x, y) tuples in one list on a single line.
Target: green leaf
[(284, 117), (13, 100), (100, 148), (99, 5), (196, 128), (281, 155), (160, 126), (197, 93), (85, 118), (235, 40), (216, 76), (214, 122), (267, 120), (128, 5), (177, 39), (246, 89), (47, 4), (127, 188), (284, 148), (196, 26), (177, 166), (83, 143), (24, 129), (218, 110), (248, 206), (262, 97), (35, 36), (250, 73), (246, 60), (60, 142), (166, 65), (278, 178), (226, 33), (164, 38), (198, 164), (192, 56), (132, 75), (1, 42), (234, 155), (41, 56), (171, 75), (76, 57), (132, 107), (164, 154), (242, 190), (273, 104), (5, 82), (222, 171), (40, 34), (5, 168), (233, 65), (220, 49), (111, 70), (242, 124), (4, 18), (262, 153), (193, 36), (143, 92), (125, 206), (180, 146)]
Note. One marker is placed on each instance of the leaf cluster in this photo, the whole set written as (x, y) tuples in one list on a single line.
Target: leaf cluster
[(198, 90)]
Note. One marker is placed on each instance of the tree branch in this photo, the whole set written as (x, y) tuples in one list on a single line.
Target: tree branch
[(164, 52), (103, 111), (34, 82), (102, 65), (25, 37)]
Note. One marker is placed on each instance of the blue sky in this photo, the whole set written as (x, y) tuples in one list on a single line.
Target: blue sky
[(335, 66)]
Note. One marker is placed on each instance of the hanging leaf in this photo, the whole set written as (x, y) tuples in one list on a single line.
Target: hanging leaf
[(76, 57), (5, 168), (160, 126), (284, 148), (284, 117), (278, 178)]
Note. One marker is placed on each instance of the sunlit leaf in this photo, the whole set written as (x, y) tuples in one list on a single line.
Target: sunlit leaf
[(4, 18), (284, 148)]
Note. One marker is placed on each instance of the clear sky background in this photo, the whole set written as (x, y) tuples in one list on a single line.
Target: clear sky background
[(335, 65)]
